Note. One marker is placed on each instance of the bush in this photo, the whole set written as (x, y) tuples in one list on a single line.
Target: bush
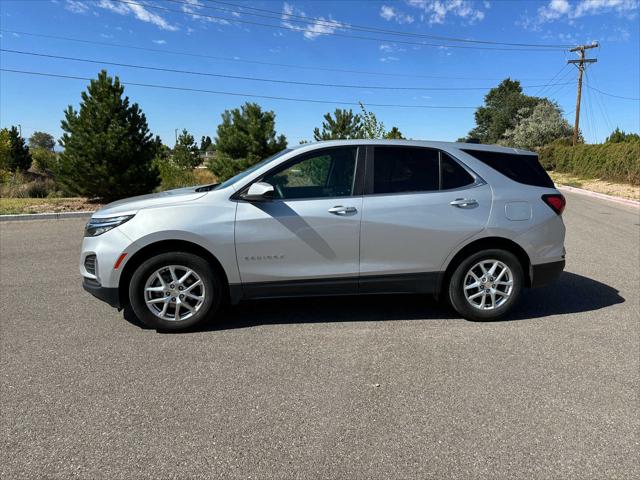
[(45, 160), (610, 161), (172, 175), (18, 185)]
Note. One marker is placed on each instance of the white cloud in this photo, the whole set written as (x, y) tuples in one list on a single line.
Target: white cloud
[(139, 11), (322, 26), (437, 11), (563, 9), (389, 58), (391, 13), (159, 42), (194, 6), (75, 6)]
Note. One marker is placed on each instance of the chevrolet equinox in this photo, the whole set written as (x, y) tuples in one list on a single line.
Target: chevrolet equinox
[(470, 224)]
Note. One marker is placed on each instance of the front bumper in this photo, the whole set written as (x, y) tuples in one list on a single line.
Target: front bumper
[(545, 273), (108, 295)]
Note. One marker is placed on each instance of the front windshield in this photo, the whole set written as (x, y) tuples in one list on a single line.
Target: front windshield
[(253, 168)]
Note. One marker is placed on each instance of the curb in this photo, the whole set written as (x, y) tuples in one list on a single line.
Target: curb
[(602, 196), (43, 216)]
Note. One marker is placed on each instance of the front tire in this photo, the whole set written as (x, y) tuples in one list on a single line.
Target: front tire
[(174, 291), (486, 285)]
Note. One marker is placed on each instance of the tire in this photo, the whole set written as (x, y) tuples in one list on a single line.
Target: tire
[(192, 301), (499, 297)]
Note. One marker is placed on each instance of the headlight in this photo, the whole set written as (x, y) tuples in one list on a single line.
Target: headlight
[(98, 226)]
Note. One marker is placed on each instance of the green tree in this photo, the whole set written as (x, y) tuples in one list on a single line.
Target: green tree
[(537, 126), (343, 125), (16, 156), (45, 160), (500, 111), (245, 136), (42, 140), (5, 149), (371, 127), (620, 136), (394, 134), (205, 143), (186, 153), (108, 149)]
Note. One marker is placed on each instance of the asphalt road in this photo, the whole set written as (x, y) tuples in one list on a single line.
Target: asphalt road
[(385, 387)]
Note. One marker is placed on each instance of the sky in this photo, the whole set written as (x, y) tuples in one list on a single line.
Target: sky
[(345, 46)]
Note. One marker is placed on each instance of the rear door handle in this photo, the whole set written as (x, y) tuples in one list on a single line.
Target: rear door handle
[(340, 210), (464, 203)]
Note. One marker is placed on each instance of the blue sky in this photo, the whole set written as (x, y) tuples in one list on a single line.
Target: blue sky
[(210, 29)]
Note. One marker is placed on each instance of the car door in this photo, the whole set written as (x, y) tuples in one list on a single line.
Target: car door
[(306, 240), (419, 204)]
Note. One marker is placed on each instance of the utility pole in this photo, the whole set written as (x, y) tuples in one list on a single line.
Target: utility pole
[(581, 65)]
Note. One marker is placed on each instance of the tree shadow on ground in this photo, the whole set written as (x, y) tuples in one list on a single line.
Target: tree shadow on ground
[(571, 293)]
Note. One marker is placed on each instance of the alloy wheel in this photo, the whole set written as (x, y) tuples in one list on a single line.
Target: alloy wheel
[(488, 284), (174, 293)]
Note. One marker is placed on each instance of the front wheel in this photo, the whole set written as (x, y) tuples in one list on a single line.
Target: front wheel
[(174, 291), (486, 285)]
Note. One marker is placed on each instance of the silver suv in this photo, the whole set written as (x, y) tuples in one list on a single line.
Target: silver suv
[(472, 224)]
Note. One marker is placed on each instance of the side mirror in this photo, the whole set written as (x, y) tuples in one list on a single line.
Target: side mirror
[(259, 192)]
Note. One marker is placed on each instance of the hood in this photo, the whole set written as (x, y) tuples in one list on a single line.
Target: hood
[(133, 204)]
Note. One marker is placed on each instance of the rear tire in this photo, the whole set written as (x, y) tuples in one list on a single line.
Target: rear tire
[(486, 285), (174, 291)]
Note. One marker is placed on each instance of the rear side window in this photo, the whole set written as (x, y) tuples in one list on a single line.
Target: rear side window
[(453, 175), (520, 168), (405, 169)]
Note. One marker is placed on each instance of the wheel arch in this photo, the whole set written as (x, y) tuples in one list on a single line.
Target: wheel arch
[(167, 246), (487, 243)]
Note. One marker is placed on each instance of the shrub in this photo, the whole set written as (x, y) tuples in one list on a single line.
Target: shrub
[(173, 175), (610, 161), (45, 160)]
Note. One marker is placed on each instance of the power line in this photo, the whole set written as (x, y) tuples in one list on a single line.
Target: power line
[(350, 26), (544, 87), (235, 59), (238, 77), (238, 94), (358, 37), (612, 95)]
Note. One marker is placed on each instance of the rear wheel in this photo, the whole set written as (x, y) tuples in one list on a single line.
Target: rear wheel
[(174, 291), (486, 285)]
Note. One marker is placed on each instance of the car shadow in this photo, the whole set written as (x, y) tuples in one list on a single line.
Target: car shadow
[(571, 293)]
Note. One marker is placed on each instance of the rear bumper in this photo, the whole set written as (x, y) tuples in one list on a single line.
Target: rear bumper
[(108, 295), (546, 273)]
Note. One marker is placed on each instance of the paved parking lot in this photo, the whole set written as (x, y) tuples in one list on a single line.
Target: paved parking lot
[(385, 387)]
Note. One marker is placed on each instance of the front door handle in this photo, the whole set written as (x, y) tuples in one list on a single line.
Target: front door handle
[(464, 203), (340, 210)]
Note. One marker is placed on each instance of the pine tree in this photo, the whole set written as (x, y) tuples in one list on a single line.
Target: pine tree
[(108, 149), (245, 136), (205, 143), (343, 125), (186, 152), (15, 153), (394, 134)]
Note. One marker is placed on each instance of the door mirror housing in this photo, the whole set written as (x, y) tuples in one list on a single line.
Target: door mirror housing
[(259, 192)]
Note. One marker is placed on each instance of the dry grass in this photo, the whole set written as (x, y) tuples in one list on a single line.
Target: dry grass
[(624, 190), (13, 206), (204, 176)]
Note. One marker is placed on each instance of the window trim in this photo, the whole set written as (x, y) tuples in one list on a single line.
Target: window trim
[(370, 162), (358, 175)]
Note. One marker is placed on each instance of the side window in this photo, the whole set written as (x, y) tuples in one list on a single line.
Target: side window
[(453, 174), (327, 173), (405, 169)]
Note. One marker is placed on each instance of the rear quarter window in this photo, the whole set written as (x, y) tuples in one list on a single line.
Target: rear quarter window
[(524, 169)]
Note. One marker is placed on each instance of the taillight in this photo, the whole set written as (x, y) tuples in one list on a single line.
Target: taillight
[(555, 201)]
